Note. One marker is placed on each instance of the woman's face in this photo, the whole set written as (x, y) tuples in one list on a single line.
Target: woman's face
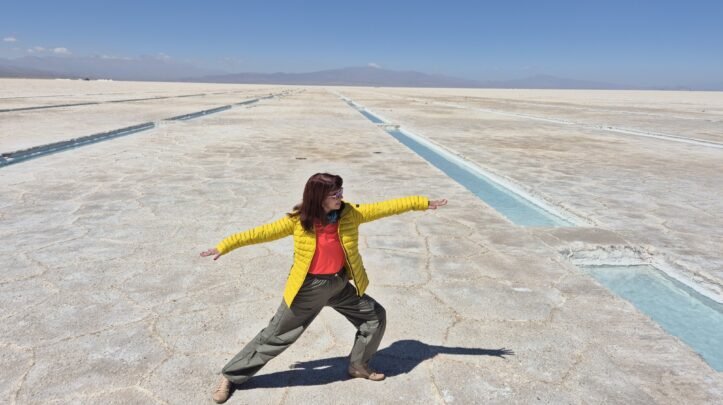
[(332, 201)]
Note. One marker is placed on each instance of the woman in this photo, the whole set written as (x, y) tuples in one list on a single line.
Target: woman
[(326, 258)]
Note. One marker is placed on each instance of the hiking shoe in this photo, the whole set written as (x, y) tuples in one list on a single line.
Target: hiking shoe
[(365, 372), (223, 391)]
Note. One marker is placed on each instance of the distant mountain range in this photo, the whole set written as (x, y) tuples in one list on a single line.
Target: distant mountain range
[(372, 76), (351, 76), (145, 68), (15, 71), (161, 69)]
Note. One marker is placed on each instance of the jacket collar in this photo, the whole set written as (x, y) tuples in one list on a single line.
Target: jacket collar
[(344, 209)]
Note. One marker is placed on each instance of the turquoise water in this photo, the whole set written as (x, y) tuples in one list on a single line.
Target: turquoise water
[(695, 319), (517, 209), (371, 117)]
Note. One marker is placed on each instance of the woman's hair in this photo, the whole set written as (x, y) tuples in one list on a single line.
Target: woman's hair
[(317, 188)]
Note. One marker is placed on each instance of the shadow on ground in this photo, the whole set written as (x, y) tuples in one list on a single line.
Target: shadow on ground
[(399, 358)]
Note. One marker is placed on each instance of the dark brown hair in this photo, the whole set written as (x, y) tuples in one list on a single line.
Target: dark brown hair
[(317, 188)]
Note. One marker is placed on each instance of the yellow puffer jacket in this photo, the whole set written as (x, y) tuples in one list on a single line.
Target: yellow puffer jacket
[(352, 215)]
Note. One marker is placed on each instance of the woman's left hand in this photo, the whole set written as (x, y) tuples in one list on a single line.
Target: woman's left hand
[(434, 204), (211, 252)]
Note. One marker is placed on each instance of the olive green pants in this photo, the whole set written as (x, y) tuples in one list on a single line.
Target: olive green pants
[(289, 323)]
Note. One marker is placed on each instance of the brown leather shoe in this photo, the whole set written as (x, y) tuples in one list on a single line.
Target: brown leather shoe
[(223, 391), (365, 372)]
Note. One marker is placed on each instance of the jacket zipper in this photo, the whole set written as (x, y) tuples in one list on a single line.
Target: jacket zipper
[(346, 257)]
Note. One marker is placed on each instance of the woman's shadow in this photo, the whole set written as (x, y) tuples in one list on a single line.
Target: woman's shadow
[(399, 358)]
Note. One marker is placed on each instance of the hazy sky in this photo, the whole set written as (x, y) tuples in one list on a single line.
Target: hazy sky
[(629, 42)]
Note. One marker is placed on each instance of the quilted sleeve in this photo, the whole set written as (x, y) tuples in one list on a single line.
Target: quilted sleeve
[(264, 233), (374, 211)]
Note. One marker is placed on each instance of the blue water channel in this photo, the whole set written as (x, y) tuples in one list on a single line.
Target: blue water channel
[(695, 319), (42, 150), (679, 310), (517, 209), (9, 158)]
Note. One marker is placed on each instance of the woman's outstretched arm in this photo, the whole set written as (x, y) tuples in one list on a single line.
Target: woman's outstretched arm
[(264, 233), (374, 211)]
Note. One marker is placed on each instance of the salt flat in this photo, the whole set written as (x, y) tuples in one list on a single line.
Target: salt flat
[(663, 194), (43, 118), (107, 299)]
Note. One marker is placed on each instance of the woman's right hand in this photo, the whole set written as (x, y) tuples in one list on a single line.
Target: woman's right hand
[(211, 252), (434, 204)]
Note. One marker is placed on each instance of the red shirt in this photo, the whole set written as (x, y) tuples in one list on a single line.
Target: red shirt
[(329, 254)]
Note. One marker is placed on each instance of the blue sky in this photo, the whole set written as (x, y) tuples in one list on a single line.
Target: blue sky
[(628, 42)]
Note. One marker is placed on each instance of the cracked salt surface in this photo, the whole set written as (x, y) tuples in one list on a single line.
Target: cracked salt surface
[(520, 208), (103, 242), (9, 158)]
